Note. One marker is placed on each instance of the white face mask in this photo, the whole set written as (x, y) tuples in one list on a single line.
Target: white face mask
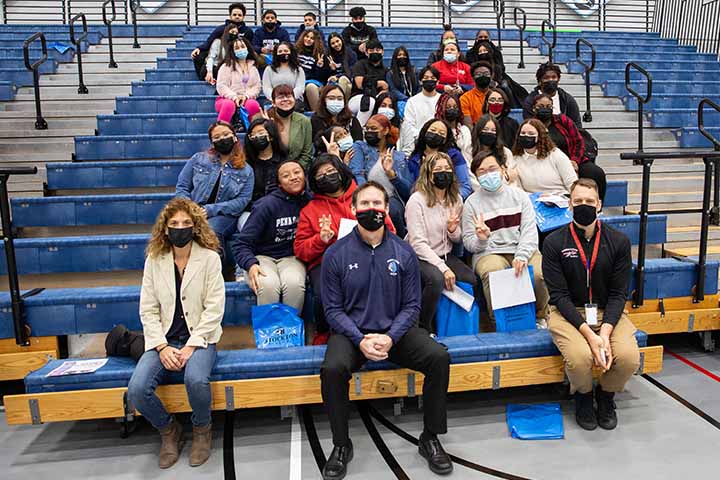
[(387, 111)]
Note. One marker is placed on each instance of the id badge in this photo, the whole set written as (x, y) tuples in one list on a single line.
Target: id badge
[(591, 314)]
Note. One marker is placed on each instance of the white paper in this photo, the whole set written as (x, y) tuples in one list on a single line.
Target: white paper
[(346, 226), (557, 199), (75, 367), (507, 290), (460, 297)]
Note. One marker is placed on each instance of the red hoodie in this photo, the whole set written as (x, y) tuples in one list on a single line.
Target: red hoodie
[(452, 73), (308, 246)]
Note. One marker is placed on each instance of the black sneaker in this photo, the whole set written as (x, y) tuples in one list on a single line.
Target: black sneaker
[(584, 411), (336, 466), (606, 416), (438, 460)]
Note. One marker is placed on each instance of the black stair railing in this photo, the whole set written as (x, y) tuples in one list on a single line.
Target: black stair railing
[(34, 67)]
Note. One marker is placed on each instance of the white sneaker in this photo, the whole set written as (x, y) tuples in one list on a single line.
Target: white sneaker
[(541, 324)]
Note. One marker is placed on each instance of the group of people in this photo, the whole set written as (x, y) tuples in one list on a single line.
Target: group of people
[(426, 177)]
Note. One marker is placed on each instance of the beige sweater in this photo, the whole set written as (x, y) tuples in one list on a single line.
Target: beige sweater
[(553, 173)]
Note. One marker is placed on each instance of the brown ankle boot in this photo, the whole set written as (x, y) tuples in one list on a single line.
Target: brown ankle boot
[(171, 437), (201, 442)]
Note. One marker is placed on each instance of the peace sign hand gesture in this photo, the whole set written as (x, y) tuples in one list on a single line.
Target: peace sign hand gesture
[(453, 222), (387, 163), (481, 230), (332, 147), (326, 233)]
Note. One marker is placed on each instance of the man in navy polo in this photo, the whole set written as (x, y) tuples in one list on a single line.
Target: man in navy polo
[(371, 296)]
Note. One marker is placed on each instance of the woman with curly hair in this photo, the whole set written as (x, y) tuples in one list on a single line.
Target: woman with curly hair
[(181, 325), (541, 166)]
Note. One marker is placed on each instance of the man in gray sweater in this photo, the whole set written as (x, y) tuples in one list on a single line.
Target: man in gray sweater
[(499, 229)]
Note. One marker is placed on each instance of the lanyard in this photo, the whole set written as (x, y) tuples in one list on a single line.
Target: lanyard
[(589, 266)]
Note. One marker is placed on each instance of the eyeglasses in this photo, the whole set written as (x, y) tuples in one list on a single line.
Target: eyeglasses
[(482, 171)]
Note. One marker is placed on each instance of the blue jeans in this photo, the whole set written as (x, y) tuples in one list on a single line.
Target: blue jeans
[(149, 373)]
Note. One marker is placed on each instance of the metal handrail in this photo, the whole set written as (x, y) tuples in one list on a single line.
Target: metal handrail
[(640, 99), (499, 9), (587, 117), (82, 89), (108, 24), (40, 123), (701, 121), (551, 45), (522, 32), (134, 5)]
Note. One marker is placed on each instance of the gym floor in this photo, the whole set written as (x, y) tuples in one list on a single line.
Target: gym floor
[(658, 437)]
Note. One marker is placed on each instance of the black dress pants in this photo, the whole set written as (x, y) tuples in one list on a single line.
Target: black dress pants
[(415, 350)]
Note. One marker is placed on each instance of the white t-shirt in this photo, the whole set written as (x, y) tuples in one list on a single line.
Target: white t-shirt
[(419, 109)]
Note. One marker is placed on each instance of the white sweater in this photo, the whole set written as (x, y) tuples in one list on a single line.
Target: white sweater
[(553, 173), (418, 110)]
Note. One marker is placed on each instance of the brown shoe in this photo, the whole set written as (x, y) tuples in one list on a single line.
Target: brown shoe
[(172, 442), (201, 442)]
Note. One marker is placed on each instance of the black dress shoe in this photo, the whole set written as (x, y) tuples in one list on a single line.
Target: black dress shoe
[(584, 411), (606, 416), (438, 460), (336, 466)]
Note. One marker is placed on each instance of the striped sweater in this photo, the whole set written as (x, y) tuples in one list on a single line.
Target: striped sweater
[(511, 218)]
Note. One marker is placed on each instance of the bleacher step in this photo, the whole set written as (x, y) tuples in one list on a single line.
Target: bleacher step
[(50, 133), (62, 104)]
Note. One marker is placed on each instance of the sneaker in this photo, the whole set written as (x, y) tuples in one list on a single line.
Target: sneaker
[(438, 460), (584, 411), (336, 466), (541, 324), (606, 416)]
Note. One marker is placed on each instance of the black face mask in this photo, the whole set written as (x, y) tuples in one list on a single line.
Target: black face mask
[(372, 138), (261, 142), (442, 180), (549, 87), (371, 219), (482, 81), (484, 57), (283, 57), (232, 37), (402, 62), (270, 25), (224, 145), (544, 113), (375, 57), (526, 141), (584, 215), (328, 184), (429, 85), (284, 113), (358, 25), (487, 138), (179, 237), (433, 140), (452, 114)]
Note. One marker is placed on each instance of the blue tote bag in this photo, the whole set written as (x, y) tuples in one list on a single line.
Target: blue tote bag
[(277, 325)]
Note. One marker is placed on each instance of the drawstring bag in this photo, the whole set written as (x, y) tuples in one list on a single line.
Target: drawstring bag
[(535, 422), (277, 325), (121, 342)]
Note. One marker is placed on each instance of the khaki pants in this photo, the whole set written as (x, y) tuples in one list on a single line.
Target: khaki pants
[(493, 263), (284, 281), (579, 359)]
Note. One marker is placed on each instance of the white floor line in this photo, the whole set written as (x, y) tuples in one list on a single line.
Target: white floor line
[(296, 447)]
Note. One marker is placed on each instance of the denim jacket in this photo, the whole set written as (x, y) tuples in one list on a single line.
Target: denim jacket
[(199, 175), (364, 159)]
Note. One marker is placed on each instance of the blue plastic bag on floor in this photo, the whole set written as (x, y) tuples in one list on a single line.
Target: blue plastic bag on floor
[(277, 325), (535, 422)]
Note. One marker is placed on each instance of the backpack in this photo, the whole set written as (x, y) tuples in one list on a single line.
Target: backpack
[(121, 342), (591, 145)]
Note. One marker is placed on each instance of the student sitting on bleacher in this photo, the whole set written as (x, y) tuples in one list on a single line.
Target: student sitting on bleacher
[(236, 13), (238, 82), (541, 166), (402, 78), (419, 109), (181, 325), (294, 127), (376, 159), (332, 185), (368, 80), (476, 54), (312, 59), (219, 180), (449, 109), (448, 36), (385, 104), (217, 54), (342, 60), (333, 111), (486, 139), (358, 33), (285, 70), (340, 136), (433, 216), (455, 76), (267, 37), (498, 226), (264, 154), (436, 136), (372, 304), (473, 100), (548, 78), (497, 104), (587, 318), (264, 246), (310, 23)]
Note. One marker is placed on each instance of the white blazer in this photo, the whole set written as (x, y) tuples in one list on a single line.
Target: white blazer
[(203, 297)]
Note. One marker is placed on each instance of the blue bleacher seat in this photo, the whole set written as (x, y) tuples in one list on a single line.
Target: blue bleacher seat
[(616, 194), (135, 174), (7, 91), (671, 277), (129, 147), (155, 123), (195, 87), (678, 117), (166, 104), (690, 137)]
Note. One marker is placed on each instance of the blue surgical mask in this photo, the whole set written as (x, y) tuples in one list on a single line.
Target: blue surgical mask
[(334, 106), (450, 57), (345, 143), (387, 111), (241, 54), (491, 181)]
